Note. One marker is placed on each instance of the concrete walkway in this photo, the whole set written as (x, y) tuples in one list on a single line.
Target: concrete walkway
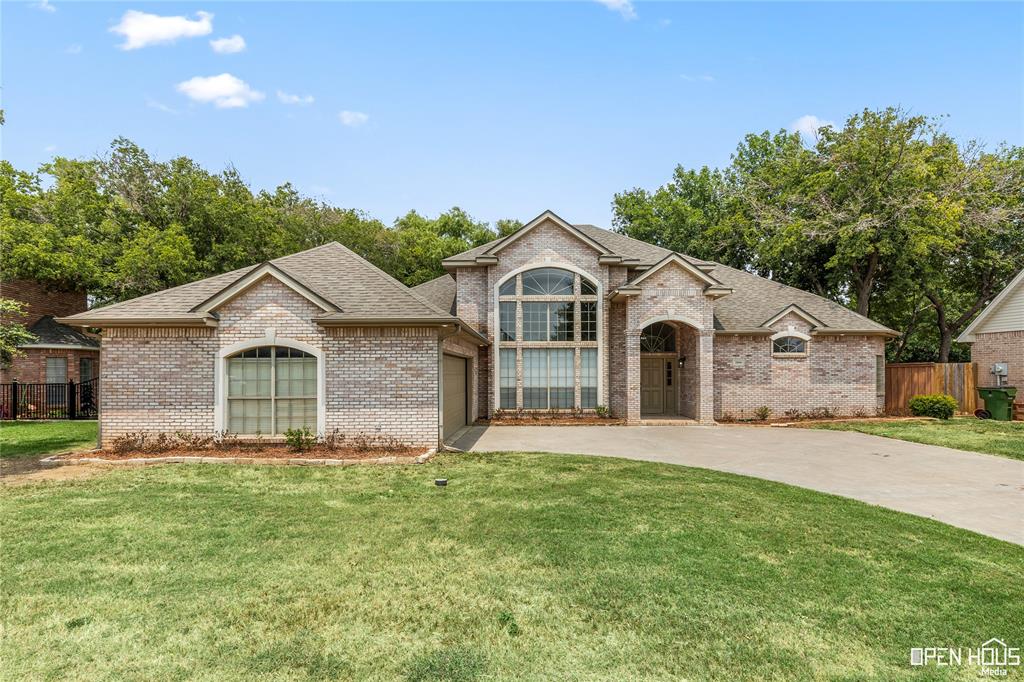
[(982, 493)]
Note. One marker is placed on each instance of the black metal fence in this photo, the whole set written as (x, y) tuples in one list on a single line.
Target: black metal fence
[(50, 401)]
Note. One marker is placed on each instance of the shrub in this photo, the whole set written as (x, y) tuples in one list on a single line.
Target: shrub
[(602, 411), (938, 405), (762, 413), (300, 439)]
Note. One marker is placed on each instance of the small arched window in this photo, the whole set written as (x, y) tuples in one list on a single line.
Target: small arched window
[(271, 389), (658, 338), (789, 345)]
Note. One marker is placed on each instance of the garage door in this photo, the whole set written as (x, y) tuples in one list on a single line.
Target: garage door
[(454, 394)]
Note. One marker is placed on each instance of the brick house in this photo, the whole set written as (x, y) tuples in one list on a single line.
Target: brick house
[(997, 335), (59, 353), (552, 317)]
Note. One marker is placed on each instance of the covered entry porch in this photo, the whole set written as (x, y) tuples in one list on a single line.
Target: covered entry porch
[(673, 379)]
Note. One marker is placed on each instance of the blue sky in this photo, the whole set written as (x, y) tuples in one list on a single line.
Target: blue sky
[(504, 109)]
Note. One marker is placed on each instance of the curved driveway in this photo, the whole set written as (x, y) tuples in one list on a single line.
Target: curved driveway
[(982, 493)]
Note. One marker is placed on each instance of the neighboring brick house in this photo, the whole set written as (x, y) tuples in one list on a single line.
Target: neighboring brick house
[(58, 353), (552, 317), (997, 335)]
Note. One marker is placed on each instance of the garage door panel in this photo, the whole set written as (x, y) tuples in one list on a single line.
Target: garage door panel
[(455, 394)]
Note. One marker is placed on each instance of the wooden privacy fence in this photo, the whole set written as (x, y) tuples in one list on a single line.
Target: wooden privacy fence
[(904, 380)]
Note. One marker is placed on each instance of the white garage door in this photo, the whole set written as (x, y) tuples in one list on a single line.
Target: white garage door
[(454, 394)]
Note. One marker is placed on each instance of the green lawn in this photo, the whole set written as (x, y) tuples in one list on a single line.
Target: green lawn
[(27, 439), (524, 567), (963, 433)]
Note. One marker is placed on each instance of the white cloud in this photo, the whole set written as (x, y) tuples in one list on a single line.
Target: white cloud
[(623, 7), (74, 48), (664, 22), (45, 6), (225, 91), (287, 98), (808, 126), (235, 43), (50, 148), (353, 118), (703, 78), (141, 29)]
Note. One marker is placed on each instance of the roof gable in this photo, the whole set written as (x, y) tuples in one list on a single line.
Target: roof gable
[(676, 259), (796, 310), (547, 216), (1012, 295), (249, 279)]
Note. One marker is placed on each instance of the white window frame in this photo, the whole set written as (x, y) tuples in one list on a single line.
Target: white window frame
[(220, 411), (787, 333), (495, 311)]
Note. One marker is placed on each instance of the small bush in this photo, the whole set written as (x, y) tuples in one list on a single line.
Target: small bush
[(300, 439), (938, 405), (762, 413), (602, 411)]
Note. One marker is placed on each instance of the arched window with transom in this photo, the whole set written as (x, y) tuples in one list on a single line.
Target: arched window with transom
[(548, 326)]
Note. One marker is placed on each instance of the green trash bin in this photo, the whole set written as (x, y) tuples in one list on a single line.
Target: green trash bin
[(998, 402)]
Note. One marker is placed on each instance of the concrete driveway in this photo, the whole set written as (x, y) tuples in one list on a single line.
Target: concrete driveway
[(982, 493)]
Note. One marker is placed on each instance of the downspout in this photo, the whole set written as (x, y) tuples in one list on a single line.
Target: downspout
[(440, 381)]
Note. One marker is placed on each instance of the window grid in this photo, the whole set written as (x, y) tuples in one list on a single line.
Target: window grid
[(789, 345), (507, 359), (270, 390), (548, 375), (588, 378), (507, 315), (588, 321)]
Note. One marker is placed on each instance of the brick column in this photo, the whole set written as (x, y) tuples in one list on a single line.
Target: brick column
[(633, 376), (706, 376)]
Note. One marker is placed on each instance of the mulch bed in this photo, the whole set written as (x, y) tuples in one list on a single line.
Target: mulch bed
[(551, 421), (267, 452)]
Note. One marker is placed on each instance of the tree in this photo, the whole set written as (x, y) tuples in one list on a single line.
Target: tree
[(988, 248), (506, 226), (12, 332)]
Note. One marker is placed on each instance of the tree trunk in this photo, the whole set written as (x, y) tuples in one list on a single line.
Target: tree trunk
[(864, 283), (949, 329)]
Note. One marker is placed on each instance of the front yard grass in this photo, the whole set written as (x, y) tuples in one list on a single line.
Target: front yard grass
[(525, 567), (29, 439), (963, 433)]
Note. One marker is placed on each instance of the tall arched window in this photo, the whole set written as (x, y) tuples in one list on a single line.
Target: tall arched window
[(548, 335), (271, 389)]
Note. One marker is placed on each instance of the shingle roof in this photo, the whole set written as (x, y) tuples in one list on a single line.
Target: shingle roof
[(359, 289), (49, 332), (754, 299), (440, 292)]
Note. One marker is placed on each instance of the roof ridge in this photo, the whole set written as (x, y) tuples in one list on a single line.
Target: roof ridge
[(391, 280)]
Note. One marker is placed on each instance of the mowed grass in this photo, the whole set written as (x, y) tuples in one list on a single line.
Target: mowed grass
[(526, 567), (28, 439), (962, 433)]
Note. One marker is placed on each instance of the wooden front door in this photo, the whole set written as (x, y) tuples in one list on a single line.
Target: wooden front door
[(652, 386)]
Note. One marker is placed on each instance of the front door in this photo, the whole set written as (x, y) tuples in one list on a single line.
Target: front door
[(652, 386)]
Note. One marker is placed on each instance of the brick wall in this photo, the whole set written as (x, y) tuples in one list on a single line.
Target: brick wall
[(1000, 347), (838, 373), (30, 366), (379, 381), (41, 300)]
